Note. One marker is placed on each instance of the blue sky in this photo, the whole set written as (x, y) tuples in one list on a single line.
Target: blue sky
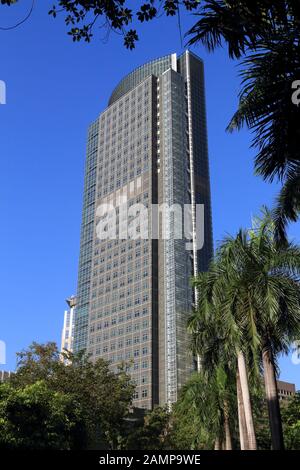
[(55, 88)]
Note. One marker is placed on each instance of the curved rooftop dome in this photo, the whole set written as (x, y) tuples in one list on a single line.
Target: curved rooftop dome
[(155, 67)]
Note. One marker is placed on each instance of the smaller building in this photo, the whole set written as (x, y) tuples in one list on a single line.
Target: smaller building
[(5, 375), (68, 327), (286, 390)]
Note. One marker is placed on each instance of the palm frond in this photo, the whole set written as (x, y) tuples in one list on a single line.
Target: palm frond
[(287, 206)]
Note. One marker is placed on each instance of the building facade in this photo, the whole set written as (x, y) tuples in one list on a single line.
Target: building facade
[(285, 390), (67, 335), (147, 150)]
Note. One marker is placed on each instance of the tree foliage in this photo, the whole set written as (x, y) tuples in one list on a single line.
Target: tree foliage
[(118, 16), (291, 422), (207, 400), (103, 396), (36, 417), (148, 431)]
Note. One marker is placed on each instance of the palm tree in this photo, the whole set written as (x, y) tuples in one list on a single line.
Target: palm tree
[(209, 396), (236, 314), (267, 109), (208, 342), (244, 442), (242, 25), (266, 35), (276, 292), (216, 337), (287, 205), (253, 284), (269, 276)]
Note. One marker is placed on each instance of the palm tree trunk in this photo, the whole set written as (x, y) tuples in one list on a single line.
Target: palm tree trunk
[(246, 400), (198, 363), (228, 440), (217, 444), (241, 415), (272, 399)]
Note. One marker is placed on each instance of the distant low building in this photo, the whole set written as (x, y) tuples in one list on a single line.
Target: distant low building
[(286, 390), (4, 375), (68, 327)]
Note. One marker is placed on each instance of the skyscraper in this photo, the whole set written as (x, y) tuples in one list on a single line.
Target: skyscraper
[(148, 148), (67, 335)]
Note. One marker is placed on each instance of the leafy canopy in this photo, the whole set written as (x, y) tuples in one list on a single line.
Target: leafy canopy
[(104, 397)]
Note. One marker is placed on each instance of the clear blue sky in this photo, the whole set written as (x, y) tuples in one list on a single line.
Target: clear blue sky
[(54, 90)]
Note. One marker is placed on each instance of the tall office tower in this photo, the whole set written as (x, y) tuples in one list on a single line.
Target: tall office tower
[(5, 375), (149, 147), (67, 335)]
